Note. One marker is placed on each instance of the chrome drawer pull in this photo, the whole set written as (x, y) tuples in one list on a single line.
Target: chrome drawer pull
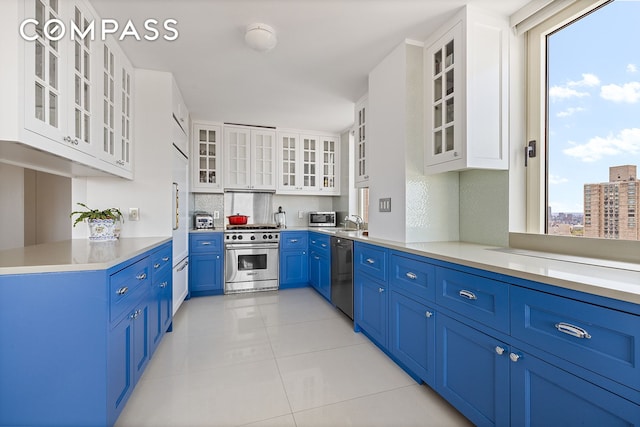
[(514, 357), (156, 265), (411, 276), (380, 290), (370, 261), (323, 245), (499, 350), (163, 284), (574, 331), (165, 258), (313, 241), (293, 240), (316, 257), (141, 276), (205, 243), (122, 290), (428, 314), (467, 294)]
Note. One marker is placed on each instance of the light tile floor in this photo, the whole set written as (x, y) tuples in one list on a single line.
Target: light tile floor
[(285, 358)]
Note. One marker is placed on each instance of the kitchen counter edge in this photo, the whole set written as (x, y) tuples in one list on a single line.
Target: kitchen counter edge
[(74, 255)]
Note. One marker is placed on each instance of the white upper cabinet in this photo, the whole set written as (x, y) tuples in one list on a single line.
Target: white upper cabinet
[(115, 107), (59, 81), (307, 163), (466, 94), (329, 161), (57, 104), (181, 116), (360, 157), (206, 158), (250, 158)]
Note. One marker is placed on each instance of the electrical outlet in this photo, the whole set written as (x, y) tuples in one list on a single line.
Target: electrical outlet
[(300, 214), (216, 214), (384, 205), (134, 214)]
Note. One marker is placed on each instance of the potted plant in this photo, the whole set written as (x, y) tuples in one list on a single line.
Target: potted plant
[(104, 225)]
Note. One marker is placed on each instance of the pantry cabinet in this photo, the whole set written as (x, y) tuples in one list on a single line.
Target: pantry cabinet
[(249, 158), (466, 93), (206, 158), (361, 128), (308, 164)]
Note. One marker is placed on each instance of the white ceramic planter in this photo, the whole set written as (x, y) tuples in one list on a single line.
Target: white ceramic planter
[(102, 230)]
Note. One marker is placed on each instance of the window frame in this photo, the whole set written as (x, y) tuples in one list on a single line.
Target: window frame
[(536, 174)]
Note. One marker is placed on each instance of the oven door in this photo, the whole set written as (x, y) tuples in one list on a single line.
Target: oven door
[(250, 265)]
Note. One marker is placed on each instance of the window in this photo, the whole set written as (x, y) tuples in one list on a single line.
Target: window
[(363, 204), (583, 104)]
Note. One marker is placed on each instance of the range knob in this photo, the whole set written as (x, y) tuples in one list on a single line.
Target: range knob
[(240, 237), (234, 237), (264, 237), (253, 237), (270, 236)]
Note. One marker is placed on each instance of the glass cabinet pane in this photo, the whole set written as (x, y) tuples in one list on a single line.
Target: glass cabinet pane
[(449, 54), (437, 62), (450, 82), (437, 89), (449, 138), (437, 142), (437, 115), (449, 112)]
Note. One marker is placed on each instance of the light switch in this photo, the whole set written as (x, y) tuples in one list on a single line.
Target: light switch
[(384, 205)]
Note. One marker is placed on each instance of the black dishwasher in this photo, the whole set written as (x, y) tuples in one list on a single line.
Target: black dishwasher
[(342, 274)]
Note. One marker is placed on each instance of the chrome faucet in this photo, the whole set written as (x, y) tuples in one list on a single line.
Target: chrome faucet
[(357, 220)]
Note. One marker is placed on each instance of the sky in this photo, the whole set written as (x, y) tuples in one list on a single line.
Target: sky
[(594, 101)]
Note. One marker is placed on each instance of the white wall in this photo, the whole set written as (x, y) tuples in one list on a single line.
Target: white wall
[(484, 207), (151, 189), (11, 206)]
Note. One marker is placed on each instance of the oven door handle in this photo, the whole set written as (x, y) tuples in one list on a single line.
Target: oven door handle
[(251, 246)]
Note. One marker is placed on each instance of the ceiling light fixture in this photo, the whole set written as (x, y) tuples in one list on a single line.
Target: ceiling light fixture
[(261, 37)]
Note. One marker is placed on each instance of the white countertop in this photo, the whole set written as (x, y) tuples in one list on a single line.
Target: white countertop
[(618, 280), (74, 255)]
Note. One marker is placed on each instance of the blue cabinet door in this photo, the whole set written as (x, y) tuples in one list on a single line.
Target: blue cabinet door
[(370, 301), (160, 309), (120, 367), (412, 336), (543, 395), (294, 267), (473, 372), (140, 342), (205, 273), (320, 273)]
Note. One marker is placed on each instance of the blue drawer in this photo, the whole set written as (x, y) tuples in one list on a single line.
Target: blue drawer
[(205, 243), (478, 298), (127, 286), (294, 240), (320, 243), (161, 260), (599, 339), (371, 260), (412, 276)]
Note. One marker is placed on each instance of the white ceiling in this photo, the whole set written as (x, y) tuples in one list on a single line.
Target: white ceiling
[(312, 78)]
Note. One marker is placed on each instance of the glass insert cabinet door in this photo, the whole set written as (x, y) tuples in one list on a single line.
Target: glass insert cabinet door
[(207, 154), (329, 158)]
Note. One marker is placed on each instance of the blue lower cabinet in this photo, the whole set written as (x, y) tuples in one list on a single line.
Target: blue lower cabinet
[(473, 372), (160, 309), (320, 273), (412, 335), (206, 264), (370, 307), (543, 395), (294, 259)]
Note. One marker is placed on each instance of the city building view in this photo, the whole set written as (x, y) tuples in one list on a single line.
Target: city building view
[(609, 209)]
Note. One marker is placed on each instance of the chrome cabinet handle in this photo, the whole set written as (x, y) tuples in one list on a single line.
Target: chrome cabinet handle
[(467, 294), (514, 357), (135, 314), (380, 290), (574, 331), (316, 257), (165, 258), (428, 314), (141, 276), (156, 265), (370, 261), (323, 245), (499, 350), (205, 243), (293, 241), (411, 276), (163, 284), (123, 290)]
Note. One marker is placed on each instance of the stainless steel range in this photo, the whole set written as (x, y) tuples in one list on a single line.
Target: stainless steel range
[(251, 258)]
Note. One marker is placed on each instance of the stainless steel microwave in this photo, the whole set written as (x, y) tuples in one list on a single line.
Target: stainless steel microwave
[(322, 219)]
